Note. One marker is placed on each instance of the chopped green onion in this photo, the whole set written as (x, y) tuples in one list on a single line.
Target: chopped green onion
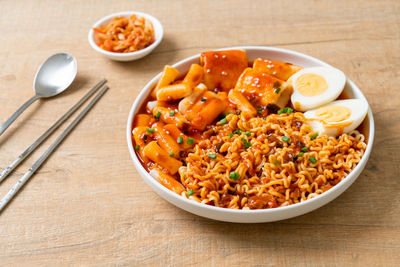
[(190, 141), (203, 99), (189, 192), (158, 115), (304, 149), (171, 154), (245, 143), (234, 175), (172, 113), (300, 154), (286, 139), (150, 130), (223, 121), (247, 133), (285, 110), (259, 111), (230, 135), (277, 90), (277, 162), (312, 137), (237, 131), (137, 147), (180, 140), (312, 159), (212, 156)]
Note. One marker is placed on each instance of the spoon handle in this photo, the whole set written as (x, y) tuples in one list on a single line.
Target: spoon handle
[(10, 120)]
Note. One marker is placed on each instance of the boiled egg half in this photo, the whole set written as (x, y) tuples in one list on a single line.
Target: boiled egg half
[(316, 86), (337, 117)]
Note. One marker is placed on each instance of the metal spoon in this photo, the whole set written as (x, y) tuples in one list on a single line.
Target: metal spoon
[(53, 77)]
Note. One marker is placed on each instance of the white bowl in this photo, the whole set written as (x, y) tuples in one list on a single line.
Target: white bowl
[(158, 32), (253, 216)]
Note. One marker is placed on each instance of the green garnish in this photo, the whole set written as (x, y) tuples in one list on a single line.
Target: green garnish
[(172, 113), (247, 133), (223, 121), (259, 111), (150, 130), (171, 154), (234, 175), (286, 139), (179, 140), (245, 143), (212, 156), (277, 162), (300, 154), (237, 131), (312, 159), (190, 141), (158, 115), (230, 135), (277, 90), (285, 110), (189, 192), (312, 137), (137, 147), (203, 99), (304, 149)]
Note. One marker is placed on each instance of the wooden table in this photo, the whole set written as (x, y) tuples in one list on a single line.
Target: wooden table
[(88, 206)]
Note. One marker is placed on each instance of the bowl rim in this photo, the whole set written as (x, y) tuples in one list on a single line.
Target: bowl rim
[(145, 91), (158, 30)]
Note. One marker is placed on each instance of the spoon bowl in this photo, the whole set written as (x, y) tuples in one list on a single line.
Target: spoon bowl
[(53, 77)]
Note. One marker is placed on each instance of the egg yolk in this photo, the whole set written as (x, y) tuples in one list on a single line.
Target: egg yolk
[(331, 114), (310, 84)]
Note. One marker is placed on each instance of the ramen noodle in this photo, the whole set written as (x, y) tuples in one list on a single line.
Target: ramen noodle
[(241, 147)]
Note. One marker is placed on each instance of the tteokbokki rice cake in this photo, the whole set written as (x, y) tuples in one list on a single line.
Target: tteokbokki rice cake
[(240, 135)]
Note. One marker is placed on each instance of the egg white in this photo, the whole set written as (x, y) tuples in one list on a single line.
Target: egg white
[(358, 107), (335, 79)]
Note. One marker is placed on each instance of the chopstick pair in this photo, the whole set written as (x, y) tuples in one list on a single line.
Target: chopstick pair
[(13, 191)]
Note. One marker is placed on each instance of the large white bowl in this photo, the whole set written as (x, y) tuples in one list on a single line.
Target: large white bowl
[(252, 216), (158, 32)]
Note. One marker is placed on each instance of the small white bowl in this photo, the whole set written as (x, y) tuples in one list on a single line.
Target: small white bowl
[(253, 216), (158, 32)]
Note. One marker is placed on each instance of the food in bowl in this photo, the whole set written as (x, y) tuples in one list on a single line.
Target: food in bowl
[(125, 35), (228, 133)]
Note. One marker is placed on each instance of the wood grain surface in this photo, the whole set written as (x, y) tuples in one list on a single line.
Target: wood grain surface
[(87, 206)]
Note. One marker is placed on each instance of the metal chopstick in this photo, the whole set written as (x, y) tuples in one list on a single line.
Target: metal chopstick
[(43, 137), (14, 190)]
